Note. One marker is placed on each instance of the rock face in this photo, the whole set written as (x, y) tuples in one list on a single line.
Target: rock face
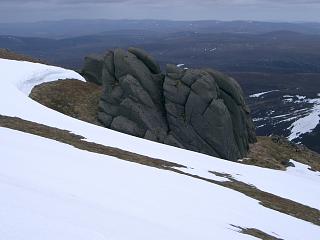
[(199, 110)]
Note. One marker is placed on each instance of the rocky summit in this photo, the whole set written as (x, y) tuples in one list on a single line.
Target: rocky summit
[(197, 109)]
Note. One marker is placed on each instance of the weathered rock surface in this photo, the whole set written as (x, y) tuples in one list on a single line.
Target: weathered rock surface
[(92, 69), (199, 110)]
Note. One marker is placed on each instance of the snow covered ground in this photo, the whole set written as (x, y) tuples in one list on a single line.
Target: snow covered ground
[(50, 190), (25, 75), (309, 121)]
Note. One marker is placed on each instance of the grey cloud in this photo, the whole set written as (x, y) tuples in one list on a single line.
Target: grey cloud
[(162, 1)]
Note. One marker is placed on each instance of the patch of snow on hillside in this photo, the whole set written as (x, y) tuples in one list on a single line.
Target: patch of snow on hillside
[(288, 100), (182, 65), (271, 112), (300, 97), (307, 123), (256, 95), (258, 119), (288, 119), (281, 116)]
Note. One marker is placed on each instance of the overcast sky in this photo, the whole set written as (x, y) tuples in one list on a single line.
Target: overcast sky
[(272, 10)]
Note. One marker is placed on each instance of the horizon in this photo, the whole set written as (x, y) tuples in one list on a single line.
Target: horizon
[(151, 19), (13, 11)]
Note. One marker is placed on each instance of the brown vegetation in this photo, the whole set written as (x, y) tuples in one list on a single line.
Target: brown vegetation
[(257, 233), (74, 98), (6, 54), (275, 152)]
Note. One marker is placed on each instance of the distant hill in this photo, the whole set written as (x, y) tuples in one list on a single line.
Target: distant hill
[(75, 28), (276, 52)]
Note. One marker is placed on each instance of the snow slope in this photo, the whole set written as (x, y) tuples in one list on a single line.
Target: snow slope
[(289, 114), (59, 192), (25, 75), (307, 123), (50, 190)]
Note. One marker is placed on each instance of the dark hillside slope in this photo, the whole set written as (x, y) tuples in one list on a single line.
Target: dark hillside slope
[(76, 28), (275, 52)]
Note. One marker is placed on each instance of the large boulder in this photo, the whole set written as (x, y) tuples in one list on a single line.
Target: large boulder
[(92, 69), (132, 99), (200, 110), (197, 116)]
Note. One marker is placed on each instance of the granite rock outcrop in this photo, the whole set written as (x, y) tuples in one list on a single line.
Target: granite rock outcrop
[(196, 109)]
